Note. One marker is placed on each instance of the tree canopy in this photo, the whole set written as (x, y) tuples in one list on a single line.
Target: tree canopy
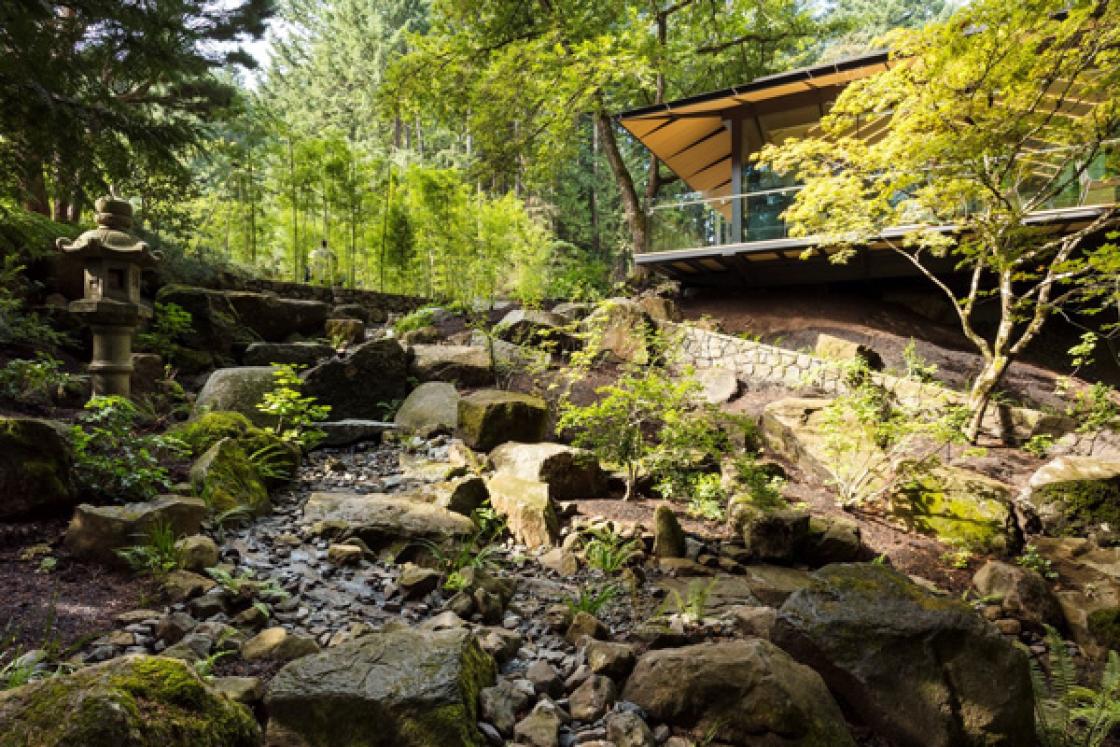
[(1003, 111)]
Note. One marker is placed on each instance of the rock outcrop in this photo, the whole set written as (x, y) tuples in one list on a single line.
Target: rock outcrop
[(97, 532), (35, 468), (922, 670), (527, 508), (1073, 495), (744, 692), (570, 473), (396, 688), (465, 365), (239, 390), (365, 384), (432, 407)]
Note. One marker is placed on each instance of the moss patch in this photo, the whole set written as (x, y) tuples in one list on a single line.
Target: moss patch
[(962, 511), (1085, 504), (134, 701), (226, 479)]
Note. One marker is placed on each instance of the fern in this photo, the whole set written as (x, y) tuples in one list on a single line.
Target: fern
[(1069, 714)]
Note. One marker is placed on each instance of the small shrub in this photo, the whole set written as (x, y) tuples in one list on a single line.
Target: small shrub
[(112, 460), (692, 606), (414, 320), (156, 555), (873, 443), (248, 589), (39, 381), (763, 486), (1031, 558), (608, 551), (295, 414), (1039, 444), (477, 552), (917, 367), (706, 498), (172, 323), (1069, 714), (18, 326), (593, 599)]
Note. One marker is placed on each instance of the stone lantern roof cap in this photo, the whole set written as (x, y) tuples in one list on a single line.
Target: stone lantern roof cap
[(111, 238)]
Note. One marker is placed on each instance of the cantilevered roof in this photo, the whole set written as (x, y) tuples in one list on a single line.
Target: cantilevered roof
[(689, 136)]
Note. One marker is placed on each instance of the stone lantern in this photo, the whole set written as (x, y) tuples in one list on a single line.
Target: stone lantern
[(112, 260)]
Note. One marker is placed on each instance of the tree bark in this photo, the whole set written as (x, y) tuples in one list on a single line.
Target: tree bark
[(980, 395), (631, 203)]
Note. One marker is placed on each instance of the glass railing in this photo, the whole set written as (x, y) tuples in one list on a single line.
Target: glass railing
[(693, 222)]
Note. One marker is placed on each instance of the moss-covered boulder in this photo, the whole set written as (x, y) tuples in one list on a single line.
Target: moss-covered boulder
[(961, 508), (668, 536), (922, 670), (226, 479), (1073, 495), (490, 417), (201, 433), (396, 688), (746, 692), (623, 329), (35, 468), (97, 532), (239, 390), (135, 701), (295, 353), (366, 384)]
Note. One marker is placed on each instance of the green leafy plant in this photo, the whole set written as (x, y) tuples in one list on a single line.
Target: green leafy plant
[(113, 460), (39, 381), (295, 413), (18, 326), (874, 443), (1039, 444), (171, 325), (707, 498), (1069, 714), (1031, 558), (414, 320), (489, 523), (156, 555), (205, 667), (608, 551), (646, 421), (273, 462), (759, 482), (690, 607), (477, 552), (917, 367), (593, 599), (959, 558), (247, 588)]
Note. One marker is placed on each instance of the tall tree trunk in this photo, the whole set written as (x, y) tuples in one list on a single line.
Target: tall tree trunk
[(980, 395), (36, 199), (631, 203)]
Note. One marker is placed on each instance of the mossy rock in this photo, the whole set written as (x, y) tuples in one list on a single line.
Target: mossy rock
[(208, 429), (1081, 505), (226, 479), (35, 467), (490, 417), (134, 701), (961, 508), (396, 688), (920, 669), (1104, 625)]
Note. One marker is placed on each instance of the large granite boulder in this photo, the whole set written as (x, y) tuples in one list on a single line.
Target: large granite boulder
[(743, 692), (97, 532), (491, 417), (382, 519), (527, 509), (1073, 495), (238, 389), (432, 407), (396, 688), (570, 473), (366, 384), (922, 670), (132, 701), (295, 353), (35, 468), (465, 365), (215, 329), (226, 479)]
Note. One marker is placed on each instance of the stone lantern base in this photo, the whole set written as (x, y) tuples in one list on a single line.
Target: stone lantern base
[(113, 323)]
